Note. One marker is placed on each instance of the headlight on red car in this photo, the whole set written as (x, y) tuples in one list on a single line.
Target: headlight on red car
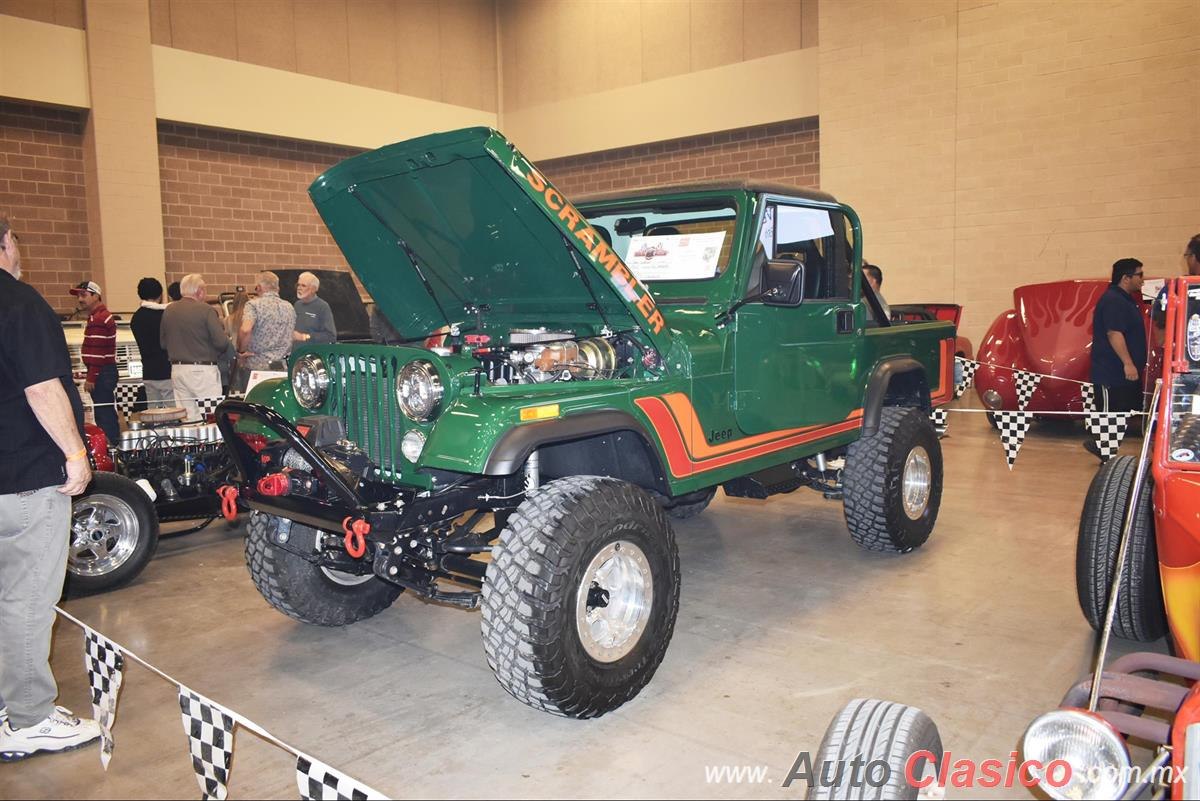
[(1096, 754)]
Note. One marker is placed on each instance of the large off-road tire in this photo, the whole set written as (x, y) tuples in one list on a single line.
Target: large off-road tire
[(114, 533), (873, 731), (305, 592), (690, 505), (581, 595), (1140, 613), (893, 482)]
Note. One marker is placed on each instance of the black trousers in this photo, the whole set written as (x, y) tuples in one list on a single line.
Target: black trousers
[(1123, 397)]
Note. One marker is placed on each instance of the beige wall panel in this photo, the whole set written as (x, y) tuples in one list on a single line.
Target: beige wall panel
[(209, 27), (716, 33), (419, 50), (69, 13), (772, 26), (220, 93), (887, 135), (322, 39), (266, 33), (1075, 145), (43, 62), (372, 26), (529, 35), (160, 22), (811, 22), (468, 62), (125, 210), (666, 35), (1044, 142), (745, 94), (38, 10), (619, 59)]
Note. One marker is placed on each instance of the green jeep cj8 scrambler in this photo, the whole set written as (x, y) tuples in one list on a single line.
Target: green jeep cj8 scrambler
[(576, 376)]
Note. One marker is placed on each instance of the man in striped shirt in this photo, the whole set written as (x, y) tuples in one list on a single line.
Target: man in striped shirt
[(100, 357)]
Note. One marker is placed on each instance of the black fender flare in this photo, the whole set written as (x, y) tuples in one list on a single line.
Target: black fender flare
[(513, 448), (877, 388)]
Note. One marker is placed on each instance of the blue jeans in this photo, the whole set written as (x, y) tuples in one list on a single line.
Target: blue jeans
[(102, 393)]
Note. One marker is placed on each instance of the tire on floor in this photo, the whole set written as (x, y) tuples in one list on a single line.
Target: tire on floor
[(1140, 612), (868, 732), (114, 534), (893, 482), (581, 595), (304, 591)]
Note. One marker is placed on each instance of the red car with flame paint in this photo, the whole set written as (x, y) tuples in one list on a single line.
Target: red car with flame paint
[(1048, 331), (1152, 527)]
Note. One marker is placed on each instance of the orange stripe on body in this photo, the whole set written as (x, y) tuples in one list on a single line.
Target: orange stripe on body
[(945, 390), (681, 446)]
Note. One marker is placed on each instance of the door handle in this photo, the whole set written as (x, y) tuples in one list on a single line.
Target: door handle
[(845, 321)]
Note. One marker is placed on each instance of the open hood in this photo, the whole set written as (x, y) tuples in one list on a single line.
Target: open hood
[(460, 228)]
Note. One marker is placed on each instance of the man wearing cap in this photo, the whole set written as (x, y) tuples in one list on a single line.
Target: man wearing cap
[(42, 464), (100, 357), (194, 341)]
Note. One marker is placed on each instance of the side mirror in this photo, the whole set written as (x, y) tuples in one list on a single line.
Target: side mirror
[(783, 283)]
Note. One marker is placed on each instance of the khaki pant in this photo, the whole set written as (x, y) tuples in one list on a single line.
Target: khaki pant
[(194, 381), (35, 530)]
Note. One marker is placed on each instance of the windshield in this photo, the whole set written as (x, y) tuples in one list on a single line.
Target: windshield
[(670, 243)]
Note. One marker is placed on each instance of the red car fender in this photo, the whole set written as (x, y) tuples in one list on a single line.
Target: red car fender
[(97, 446)]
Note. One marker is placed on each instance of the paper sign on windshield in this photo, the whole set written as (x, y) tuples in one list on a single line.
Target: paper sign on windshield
[(675, 257)]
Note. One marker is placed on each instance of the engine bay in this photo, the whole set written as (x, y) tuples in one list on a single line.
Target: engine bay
[(541, 356)]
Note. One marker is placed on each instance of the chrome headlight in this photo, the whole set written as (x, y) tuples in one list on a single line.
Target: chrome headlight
[(1081, 755), (310, 381), (419, 390)]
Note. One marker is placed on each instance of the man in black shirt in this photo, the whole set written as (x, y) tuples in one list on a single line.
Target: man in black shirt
[(146, 325), (42, 464), (1119, 343)]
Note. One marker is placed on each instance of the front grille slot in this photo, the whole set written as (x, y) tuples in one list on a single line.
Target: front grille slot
[(366, 404)]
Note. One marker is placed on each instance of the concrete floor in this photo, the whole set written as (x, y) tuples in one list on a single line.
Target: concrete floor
[(782, 620)]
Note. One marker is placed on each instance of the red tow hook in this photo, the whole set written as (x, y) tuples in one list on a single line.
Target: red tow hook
[(228, 495), (356, 536)]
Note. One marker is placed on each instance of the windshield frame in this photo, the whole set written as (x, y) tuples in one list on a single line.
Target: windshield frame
[(715, 290)]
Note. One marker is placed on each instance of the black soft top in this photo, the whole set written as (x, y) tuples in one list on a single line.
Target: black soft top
[(757, 187)]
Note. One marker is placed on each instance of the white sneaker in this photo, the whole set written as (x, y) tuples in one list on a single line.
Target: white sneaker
[(3, 714), (61, 731)]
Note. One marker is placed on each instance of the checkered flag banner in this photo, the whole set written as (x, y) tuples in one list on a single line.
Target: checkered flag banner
[(209, 405), (1013, 428), (210, 739), (1087, 393), (125, 396), (968, 375), (940, 418), (1026, 383), (1109, 429), (319, 782), (104, 666)]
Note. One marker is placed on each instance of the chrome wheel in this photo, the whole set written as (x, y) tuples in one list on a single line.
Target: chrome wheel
[(346, 579), (916, 483), (613, 601), (104, 534)]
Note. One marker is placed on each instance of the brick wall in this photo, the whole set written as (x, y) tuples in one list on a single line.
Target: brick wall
[(235, 204), (993, 143), (42, 192), (785, 152)]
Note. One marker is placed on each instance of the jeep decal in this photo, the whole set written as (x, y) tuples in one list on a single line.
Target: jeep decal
[(573, 223)]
